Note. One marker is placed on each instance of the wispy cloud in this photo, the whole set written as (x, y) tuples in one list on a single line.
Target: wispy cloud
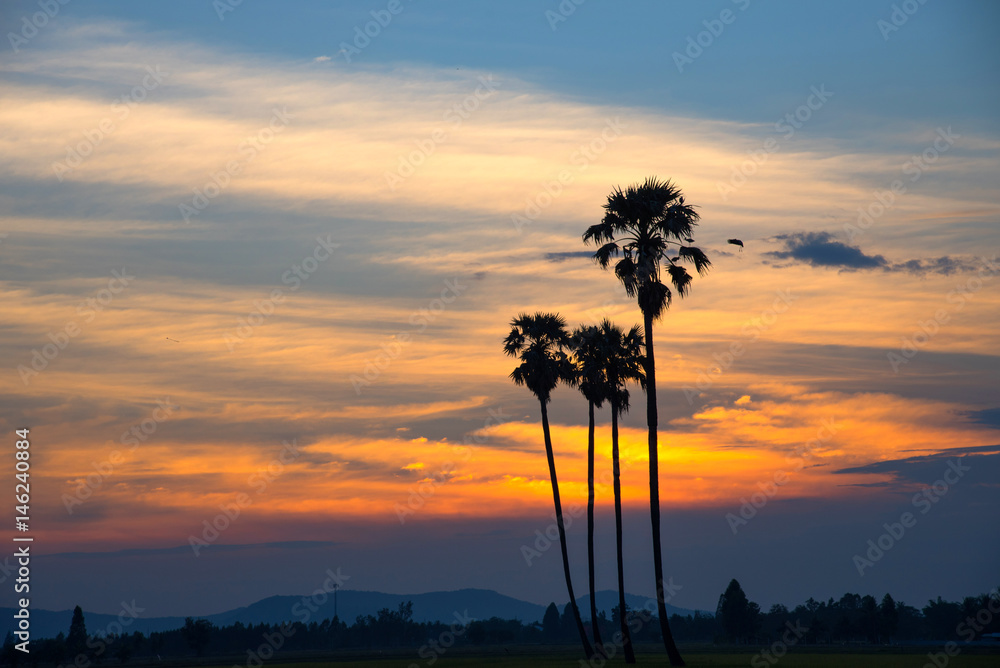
[(569, 255)]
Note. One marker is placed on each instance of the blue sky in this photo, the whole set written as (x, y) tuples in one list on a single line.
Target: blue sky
[(936, 67)]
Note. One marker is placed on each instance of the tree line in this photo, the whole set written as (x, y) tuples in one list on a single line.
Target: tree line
[(852, 619), (257, 643), (858, 619)]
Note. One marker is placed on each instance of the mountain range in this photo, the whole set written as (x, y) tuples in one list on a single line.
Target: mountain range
[(432, 606)]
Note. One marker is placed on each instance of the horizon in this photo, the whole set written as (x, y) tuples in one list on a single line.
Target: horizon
[(259, 272), (305, 595), (316, 603)]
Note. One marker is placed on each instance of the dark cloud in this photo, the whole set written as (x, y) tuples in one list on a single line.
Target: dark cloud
[(982, 463), (822, 249), (988, 416)]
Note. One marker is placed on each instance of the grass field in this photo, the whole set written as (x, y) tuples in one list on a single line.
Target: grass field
[(810, 660), (801, 660), (566, 657)]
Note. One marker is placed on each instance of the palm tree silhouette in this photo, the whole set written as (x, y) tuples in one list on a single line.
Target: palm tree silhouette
[(644, 223), (591, 381), (623, 362), (540, 341)]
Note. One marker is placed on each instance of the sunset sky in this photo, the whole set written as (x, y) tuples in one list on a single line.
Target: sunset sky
[(255, 258)]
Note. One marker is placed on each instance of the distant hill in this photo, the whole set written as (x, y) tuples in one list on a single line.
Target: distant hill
[(429, 607), (608, 599)]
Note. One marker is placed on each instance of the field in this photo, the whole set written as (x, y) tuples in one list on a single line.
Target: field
[(800, 660), (565, 657)]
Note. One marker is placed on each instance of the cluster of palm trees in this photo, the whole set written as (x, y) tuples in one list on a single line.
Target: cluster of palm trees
[(646, 232)]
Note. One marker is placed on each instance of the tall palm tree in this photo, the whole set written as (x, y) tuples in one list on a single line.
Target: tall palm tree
[(623, 362), (591, 382), (646, 223), (540, 341)]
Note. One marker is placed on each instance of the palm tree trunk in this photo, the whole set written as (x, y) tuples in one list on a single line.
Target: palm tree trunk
[(654, 494), (623, 623), (590, 531), (588, 650)]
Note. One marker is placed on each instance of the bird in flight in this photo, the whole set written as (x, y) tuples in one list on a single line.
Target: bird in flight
[(736, 242)]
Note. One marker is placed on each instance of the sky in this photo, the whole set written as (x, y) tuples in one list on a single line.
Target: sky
[(258, 260)]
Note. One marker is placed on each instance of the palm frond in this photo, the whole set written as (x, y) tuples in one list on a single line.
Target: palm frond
[(680, 278), (654, 299), (538, 340), (625, 271), (623, 360), (696, 256), (605, 253)]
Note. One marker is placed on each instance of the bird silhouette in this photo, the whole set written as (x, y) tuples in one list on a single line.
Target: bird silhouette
[(736, 242)]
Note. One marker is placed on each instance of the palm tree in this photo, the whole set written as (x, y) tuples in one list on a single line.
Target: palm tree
[(591, 382), (623, 362), (539, 341), (643, 224)]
